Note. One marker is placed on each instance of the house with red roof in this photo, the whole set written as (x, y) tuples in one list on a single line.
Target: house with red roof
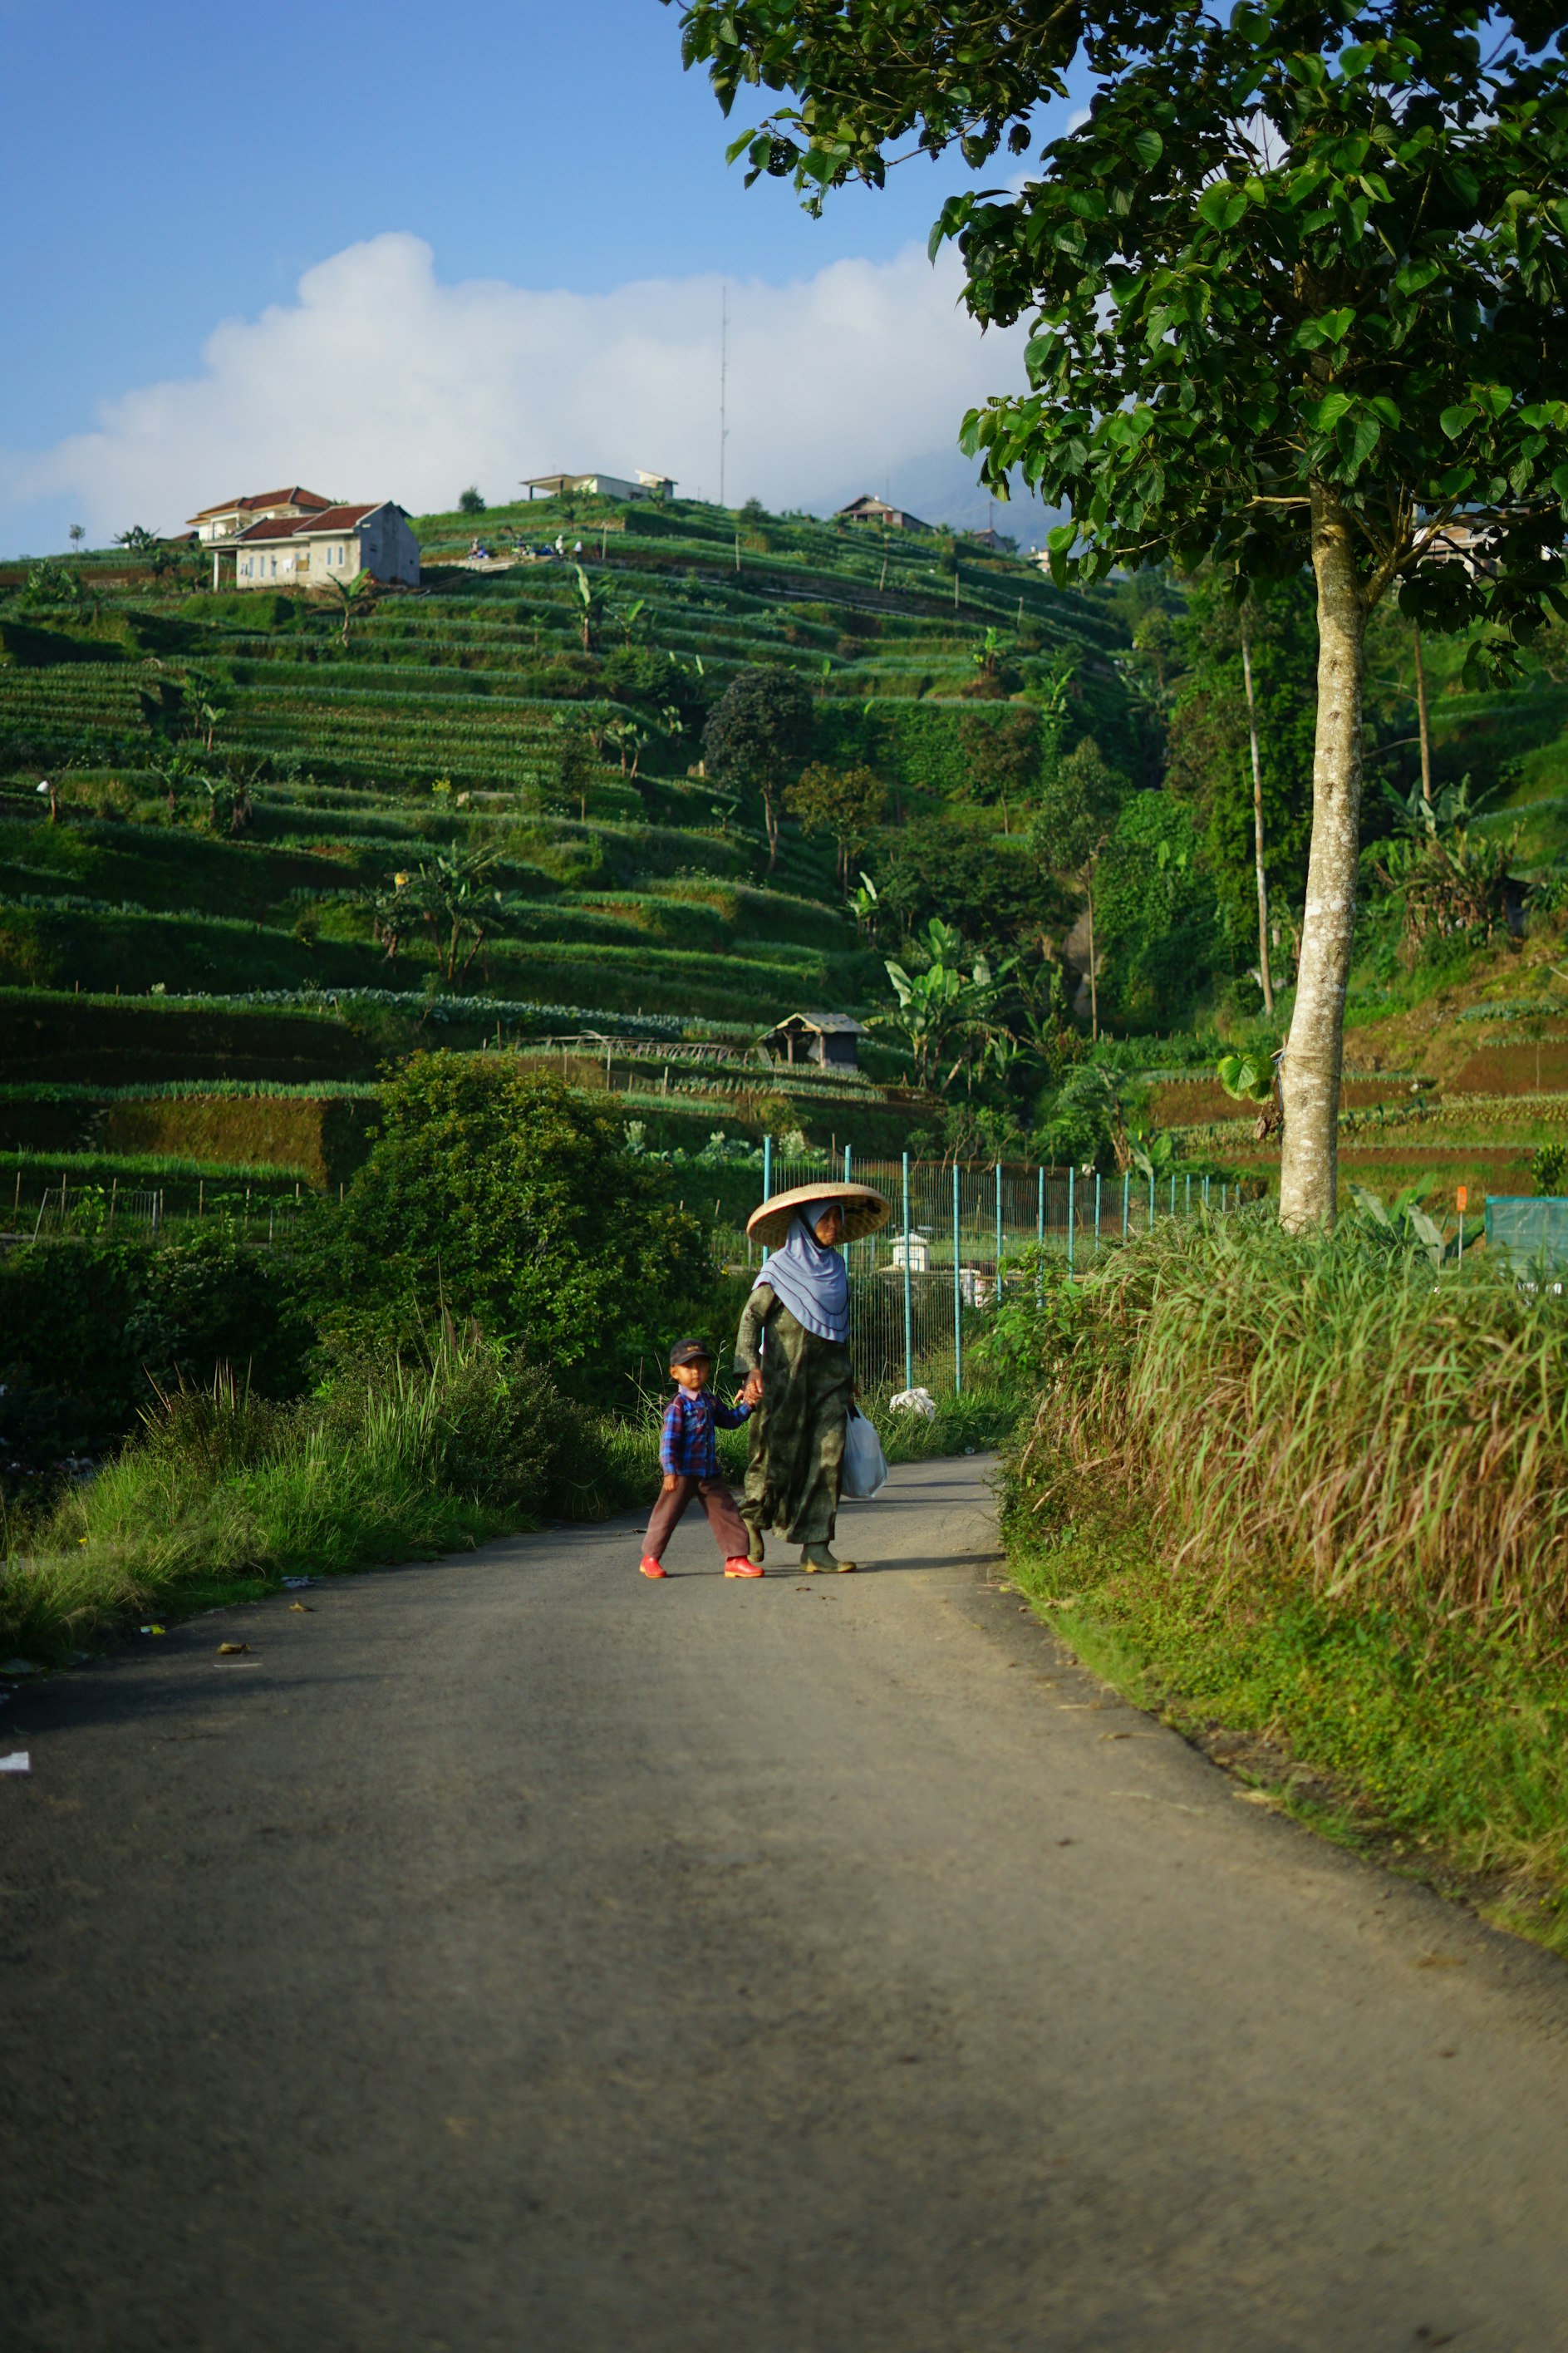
[(295, 539)]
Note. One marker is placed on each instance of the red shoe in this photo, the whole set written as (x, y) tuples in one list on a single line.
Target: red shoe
[(739, 1565), (651, 1567)]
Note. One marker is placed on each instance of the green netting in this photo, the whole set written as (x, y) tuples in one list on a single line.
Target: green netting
[(1528, 1231)]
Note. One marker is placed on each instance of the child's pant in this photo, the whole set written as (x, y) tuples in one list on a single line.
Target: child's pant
[(716, 1500)]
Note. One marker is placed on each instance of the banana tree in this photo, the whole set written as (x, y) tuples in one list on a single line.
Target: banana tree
[(350, 599)]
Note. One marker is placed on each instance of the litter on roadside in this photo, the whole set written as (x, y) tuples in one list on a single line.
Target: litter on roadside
[(18, 1761), (232, 1649), (17, 1667), (151, 1630), (292, 1584)]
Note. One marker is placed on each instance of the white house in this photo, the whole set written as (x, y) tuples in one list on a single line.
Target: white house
[(335, 544), (235, 515), (603, 486)]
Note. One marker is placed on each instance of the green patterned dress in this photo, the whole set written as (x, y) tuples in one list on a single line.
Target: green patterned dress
[(797, 1464)]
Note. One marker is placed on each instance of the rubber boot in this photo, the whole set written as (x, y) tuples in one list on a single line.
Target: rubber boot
[(820, 1556), (755, 1549)]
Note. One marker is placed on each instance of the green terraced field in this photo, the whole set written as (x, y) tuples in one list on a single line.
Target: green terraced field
[(438, 729)]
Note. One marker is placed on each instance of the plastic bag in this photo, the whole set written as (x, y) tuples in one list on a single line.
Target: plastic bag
[(865, 1466)]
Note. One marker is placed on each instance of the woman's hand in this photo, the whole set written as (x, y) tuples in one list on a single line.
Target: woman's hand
[(753, 1392), (671, 1482)]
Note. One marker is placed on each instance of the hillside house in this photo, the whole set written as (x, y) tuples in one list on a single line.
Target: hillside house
[(335, 544), (830, 1038), (599, 486), (226, 521), (870, 510)]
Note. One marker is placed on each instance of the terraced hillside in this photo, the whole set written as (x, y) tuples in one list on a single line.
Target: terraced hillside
[(241, 781)]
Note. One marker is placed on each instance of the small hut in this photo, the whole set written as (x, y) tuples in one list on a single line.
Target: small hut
[(830, 1038)]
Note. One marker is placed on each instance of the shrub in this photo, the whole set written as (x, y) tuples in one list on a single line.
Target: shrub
[(495, 1190)]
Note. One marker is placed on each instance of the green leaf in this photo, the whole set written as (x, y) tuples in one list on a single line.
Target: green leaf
[(1458, 419), (1336, 325), (1148, 146), (1328, 411)]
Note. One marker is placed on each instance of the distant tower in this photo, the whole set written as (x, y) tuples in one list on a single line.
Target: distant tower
[(723, 380)]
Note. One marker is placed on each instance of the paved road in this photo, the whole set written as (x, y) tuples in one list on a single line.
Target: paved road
[(511, 1954)]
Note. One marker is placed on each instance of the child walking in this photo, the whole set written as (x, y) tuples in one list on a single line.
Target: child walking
[(688, 1457)]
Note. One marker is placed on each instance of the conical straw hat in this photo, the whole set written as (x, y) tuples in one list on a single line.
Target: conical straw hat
[(864, 1210)]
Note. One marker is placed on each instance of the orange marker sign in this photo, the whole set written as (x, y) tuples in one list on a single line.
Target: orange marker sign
[(1462, 1197)]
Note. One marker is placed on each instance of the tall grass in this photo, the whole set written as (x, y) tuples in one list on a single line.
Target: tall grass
[(390, 1461), (1333, 1411)]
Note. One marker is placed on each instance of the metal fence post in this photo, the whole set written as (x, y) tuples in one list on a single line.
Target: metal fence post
[(998, 1233), (1072, 1205), (957, 1298), (908, 1297), (1205, 1192), (1097, 1213), (1126, 1201), (1188, 1205), (1150, 1204), (1040, 1237), (767, 1180), (1173, 1197)]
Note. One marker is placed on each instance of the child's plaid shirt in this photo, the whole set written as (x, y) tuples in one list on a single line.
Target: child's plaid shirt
[(686, 1449)]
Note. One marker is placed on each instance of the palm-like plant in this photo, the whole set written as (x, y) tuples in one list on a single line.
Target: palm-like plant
[(350, 599)]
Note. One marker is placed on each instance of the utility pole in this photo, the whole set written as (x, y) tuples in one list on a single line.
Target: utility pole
[(1422, 722), (723, 381), (1263, 972)]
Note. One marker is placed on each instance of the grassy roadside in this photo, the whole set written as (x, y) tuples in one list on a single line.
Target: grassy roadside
[(225, 1493), (1305, 1500), (1444, 1756)]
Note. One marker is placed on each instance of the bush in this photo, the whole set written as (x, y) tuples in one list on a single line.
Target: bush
[(101, 1326), (496, 1191), (395, 1458)]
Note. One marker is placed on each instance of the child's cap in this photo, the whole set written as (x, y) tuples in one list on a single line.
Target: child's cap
[(691, 1352)]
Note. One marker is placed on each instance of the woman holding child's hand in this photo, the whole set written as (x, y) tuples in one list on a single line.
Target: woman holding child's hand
[(792, 1350)]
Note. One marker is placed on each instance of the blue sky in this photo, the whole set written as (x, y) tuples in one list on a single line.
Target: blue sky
[(186, 166)]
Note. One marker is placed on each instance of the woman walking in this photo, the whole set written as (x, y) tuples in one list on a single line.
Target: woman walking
[(792, 1351)]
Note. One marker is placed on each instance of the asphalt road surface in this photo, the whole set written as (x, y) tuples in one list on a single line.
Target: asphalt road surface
[(511, 1953)]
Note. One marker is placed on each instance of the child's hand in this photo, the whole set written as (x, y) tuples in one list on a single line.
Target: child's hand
[(670, 1480)]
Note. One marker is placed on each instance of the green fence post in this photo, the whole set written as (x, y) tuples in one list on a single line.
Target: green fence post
[(1221, 1200), (957, 1298), (998, 1233), (1187, 1204), (908, 1296), (1150, 1204), (1072, 1203), (1040, 1239), (1205, 1192), (767, 1180), (1126, 1201), (1097, 1213), (1173, 1197)]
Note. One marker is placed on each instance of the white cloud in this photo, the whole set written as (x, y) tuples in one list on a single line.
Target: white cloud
[(378, 380)]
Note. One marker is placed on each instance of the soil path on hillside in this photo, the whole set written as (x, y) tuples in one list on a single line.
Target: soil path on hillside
[(509, 1956)]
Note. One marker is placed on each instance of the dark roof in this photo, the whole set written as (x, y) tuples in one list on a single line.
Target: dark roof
[(309, 527), (840, 1023), (278, 527), (339, 518)]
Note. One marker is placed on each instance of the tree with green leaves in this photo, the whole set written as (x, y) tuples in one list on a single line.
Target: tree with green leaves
[(756, 739), (1299, 284), (471, 500), (492, 1191), (847, 803), (1073, 820)]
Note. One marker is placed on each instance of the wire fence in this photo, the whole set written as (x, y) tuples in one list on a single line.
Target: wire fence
[(962, 1236)]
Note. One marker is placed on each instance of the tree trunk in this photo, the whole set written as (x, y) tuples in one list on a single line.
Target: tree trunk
[(1314, 1051), (1093, 984), (1264, 974), (771, 826), (1424, 725)]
